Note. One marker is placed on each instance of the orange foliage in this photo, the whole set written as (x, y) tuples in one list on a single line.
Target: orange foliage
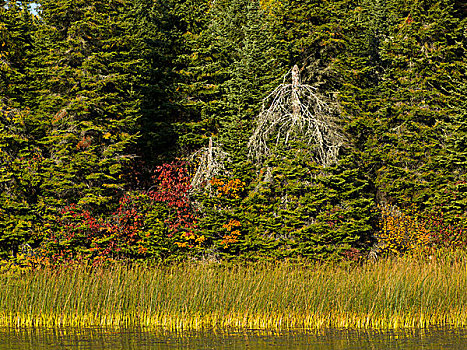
[(232, 232), (84, 143), (228, 188)]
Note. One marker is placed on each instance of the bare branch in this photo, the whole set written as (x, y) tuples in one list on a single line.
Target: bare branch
[(296, 112), (210, 161)]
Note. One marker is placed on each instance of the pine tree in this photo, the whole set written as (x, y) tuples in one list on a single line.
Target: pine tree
[(16, 29)]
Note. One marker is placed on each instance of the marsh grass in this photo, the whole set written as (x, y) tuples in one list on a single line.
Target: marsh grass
[(386, 294)]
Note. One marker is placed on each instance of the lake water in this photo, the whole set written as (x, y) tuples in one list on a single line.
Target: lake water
[(98, 338)]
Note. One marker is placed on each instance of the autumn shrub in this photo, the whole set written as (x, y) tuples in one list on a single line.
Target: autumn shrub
[(402, 233), (25, 261), (172, 186), (84, 236), (418, 233), (152, 224), (221, 217), (446, 234)]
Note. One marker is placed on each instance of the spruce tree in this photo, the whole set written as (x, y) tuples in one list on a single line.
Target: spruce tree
[(160, 29), (19, 157), (418, 116), (86, 72), (16, 29), (402, 94)]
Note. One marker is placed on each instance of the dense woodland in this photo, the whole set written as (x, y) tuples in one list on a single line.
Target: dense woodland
[(150, 130)]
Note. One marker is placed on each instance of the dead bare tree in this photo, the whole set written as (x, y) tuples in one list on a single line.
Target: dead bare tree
[(297, 112), (211, 160)]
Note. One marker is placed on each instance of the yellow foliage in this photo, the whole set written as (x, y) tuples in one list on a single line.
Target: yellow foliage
[(192, 240), (269, 6), (403, 232), (23, 263), (200, 239)]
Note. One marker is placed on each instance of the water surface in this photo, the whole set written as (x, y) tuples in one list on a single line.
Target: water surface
[(101, 338)]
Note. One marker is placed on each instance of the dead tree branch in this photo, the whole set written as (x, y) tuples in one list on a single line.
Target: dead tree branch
[(210, 160), (297, 112)]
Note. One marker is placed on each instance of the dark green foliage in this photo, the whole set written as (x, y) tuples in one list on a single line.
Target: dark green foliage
[(71, 145), (417, 116), (399, 95), (293, 208), (319, 212), (17, 26), (158, 26), (86, 98), (20, 159), (95, 94), (20, 178), (232, 67)]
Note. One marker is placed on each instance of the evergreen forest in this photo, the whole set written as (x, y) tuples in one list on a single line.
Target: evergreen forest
[(222, 130)]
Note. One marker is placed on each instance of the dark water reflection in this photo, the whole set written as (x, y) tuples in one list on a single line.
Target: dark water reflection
[(98, 338)]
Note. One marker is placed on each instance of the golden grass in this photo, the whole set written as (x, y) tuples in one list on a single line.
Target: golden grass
[(386, 294)]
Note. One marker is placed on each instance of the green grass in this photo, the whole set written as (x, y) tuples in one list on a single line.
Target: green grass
[(387, 294)]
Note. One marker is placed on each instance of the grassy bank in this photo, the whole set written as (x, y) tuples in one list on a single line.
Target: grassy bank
[(387, 294)]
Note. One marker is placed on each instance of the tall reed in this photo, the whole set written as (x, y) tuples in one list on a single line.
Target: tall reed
[(386, 294)]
